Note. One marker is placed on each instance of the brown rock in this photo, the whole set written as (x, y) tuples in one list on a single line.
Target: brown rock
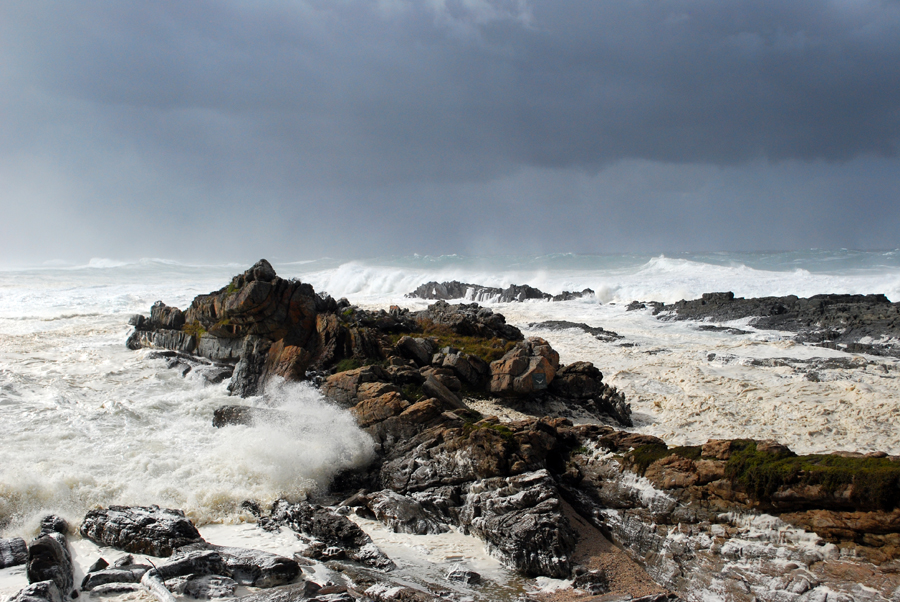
[(375, 410), (527, 368), (719, 449), (371, 390), (342, 387), (672, 472)]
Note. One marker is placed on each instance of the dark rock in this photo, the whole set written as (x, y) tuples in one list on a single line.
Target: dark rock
[(331, 529), (476, 292), (835, 321), (113, 589), (419, 350), (520, 518), (607, 336), (404, 514), (103, 576), (243, 415), (98, 565), (592, 582), (462, 575), (49, 560), (42, 591), (143, 530), (204, 587), (469, 320), (434, 388), (192, 561), (54, 524), (13, 552)]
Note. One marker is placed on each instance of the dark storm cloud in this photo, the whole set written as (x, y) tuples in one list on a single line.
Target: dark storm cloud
[(194, 112)]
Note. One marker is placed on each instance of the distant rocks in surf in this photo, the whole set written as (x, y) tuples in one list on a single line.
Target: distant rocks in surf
[(852, 323), (607, 336), (488, 294)]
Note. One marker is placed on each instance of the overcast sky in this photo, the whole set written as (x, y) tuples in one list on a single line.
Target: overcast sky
[(305, 128)]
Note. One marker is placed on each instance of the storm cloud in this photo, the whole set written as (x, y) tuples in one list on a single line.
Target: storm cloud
[(307, 128)]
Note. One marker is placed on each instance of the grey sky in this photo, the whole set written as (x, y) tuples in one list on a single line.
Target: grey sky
[(349, 127)]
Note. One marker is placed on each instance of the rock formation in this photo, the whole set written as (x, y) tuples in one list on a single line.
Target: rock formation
[(446, 291), (852, 323)]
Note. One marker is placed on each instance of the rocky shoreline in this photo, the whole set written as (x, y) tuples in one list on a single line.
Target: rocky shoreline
[(620, 514)]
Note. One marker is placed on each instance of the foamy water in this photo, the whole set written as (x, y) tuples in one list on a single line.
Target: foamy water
[(88, 422)]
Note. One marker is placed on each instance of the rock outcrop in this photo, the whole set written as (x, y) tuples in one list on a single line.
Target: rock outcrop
[(141, 530), (475, 292), (852, 323)]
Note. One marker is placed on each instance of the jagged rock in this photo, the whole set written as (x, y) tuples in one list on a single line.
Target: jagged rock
[(469, 320), (476, 292), (42, 591), (332, 530), (98, 565), (49, 560), (527, 368), (163, 316), (13, 552), (143, 530), (371, 390), (844, 322), (403, 514), (521, 520)]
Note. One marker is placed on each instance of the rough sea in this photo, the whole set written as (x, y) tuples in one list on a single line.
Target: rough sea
[(86, 422)]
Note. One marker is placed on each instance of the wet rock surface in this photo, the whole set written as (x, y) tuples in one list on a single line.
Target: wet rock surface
[(13, 552), (852, 323), (141, 529)]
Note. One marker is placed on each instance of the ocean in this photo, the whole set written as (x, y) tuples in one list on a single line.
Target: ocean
[(87, 422)]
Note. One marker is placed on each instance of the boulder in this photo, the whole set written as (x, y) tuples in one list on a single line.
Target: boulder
[(13, 552), (140, 529), (528, 368), (49, 560), (579, 380)]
